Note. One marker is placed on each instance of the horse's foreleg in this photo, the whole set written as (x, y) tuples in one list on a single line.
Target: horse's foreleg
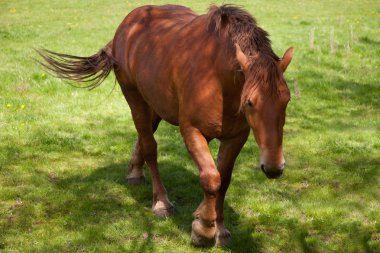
[(203, 227), (228, 152), (135, 166), (143, 118)]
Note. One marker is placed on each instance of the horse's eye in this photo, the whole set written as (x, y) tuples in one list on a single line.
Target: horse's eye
[(249, 103)]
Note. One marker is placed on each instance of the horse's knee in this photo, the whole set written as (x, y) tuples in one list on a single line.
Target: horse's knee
[(210, 181)]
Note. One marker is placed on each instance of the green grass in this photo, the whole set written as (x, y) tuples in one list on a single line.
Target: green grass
[(64, 151)]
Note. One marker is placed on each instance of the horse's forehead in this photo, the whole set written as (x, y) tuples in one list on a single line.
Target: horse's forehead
[(279, 93)]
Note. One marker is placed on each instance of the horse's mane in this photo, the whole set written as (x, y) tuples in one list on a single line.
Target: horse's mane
[(242, 29)]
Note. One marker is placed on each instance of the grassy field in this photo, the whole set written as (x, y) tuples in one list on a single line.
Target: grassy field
[(64, 151)]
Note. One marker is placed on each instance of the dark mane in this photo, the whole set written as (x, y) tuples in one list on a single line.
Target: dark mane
[(242, 29)]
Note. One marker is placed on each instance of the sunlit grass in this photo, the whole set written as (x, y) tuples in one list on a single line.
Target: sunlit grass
[(64, 151)]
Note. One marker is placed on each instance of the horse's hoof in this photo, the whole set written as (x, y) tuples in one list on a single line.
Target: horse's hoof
[(164, 213), (202, 236), (135, 180), (222, 238)]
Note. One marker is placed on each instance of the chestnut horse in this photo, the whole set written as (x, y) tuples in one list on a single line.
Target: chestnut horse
[(213, 75)]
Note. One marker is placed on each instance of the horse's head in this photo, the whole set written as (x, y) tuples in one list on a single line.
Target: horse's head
[(264, 99)]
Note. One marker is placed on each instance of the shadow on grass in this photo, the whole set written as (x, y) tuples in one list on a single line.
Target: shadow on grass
[(367, 169), (96, 206), (91, 206), (369, 41)]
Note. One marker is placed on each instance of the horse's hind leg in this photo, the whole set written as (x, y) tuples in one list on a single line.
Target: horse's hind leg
[(135, 174), (143, 118)]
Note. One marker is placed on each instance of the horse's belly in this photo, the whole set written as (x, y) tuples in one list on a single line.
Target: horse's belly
[(164, 104)]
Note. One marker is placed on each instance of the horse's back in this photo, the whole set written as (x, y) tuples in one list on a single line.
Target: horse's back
[(146, 31)]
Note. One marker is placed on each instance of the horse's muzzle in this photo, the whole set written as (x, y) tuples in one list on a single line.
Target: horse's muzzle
[(273, 173)]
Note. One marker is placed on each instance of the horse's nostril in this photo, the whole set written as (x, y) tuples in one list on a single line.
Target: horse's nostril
[(272, 173)]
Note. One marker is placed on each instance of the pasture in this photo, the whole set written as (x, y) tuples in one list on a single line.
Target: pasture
[(64, 151)]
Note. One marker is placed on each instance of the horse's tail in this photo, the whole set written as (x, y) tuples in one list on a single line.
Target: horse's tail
[(90, 70)]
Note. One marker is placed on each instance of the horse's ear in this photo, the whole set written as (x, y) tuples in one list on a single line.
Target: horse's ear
[(286, 59), (241, 57)]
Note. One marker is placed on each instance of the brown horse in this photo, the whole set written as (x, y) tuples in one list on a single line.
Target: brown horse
[(214, 75)]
